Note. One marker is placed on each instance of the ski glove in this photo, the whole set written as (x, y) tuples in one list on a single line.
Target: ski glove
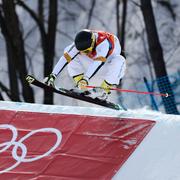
[(50, 80), (82, 84), (106, 87), (81, 81), (78, 78)]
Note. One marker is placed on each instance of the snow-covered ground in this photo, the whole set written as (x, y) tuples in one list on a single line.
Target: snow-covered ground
[(156, 158)]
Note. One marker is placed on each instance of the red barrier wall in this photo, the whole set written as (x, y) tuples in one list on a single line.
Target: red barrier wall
[(92, 147)]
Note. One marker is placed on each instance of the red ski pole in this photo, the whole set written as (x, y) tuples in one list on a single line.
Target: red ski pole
[(134, 91)]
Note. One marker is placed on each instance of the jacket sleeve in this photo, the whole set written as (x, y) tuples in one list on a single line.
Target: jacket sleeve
[(102, 49), (70, 52)]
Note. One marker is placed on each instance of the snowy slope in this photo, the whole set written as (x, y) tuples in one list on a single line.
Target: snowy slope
[(156, 158)]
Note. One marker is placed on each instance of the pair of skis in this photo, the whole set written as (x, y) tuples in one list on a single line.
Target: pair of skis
[(69, 93)]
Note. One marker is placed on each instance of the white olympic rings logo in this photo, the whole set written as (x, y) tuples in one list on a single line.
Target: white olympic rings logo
[(19, 144)]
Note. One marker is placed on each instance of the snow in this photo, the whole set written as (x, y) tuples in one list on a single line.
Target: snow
[(156, 158)]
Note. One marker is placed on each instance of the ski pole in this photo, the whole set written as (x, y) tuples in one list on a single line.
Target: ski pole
[(133, 91)]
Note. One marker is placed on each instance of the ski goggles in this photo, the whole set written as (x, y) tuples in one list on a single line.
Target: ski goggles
[(88, 50)]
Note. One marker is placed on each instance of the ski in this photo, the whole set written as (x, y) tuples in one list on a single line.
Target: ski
[(69, 93)]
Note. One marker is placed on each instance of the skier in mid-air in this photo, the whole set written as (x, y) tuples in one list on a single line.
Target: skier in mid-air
[(100, 50)]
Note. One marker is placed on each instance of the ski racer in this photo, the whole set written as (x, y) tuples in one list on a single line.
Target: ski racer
[(100, 49)]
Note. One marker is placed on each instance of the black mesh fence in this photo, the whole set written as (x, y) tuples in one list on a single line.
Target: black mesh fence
[(170, 85)]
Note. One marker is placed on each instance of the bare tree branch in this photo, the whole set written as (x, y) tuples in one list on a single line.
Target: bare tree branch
[(90, 13), (156, 53), (6, 90), (34, 16)]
